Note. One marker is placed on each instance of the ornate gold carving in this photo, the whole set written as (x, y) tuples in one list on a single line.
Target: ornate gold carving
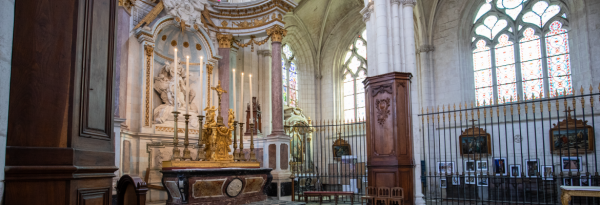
[(224, 40), (127, 4), (149, 50), (276, 33), (198, 46), (251, 42), (251, 23), (151, 15), (383, 110), (208, 164), (220, 92), (224, 23), (173, 43), (164, 37), (186, 44)]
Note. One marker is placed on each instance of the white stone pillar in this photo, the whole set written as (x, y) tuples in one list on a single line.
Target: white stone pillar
[(7, 18), (409, 35), (402, 46), (396, 37), (369, 21), (382, 41)]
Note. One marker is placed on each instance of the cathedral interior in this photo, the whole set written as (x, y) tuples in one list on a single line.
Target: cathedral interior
[(299, 102)]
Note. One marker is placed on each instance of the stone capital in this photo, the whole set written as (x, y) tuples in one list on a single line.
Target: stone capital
[(149, 49), (276, 33), (366, 12), (410, 3), (395, 1), (224, 40)]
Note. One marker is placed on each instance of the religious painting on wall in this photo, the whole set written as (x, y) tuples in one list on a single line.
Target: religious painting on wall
[(572, 137), (532, 168), (482, 180), (475, 142), (445, 167), (571, 164), (470, 179), (500, 167), (547, 172), (515, 170), (455, 180), (482, 165), (340, 148), (470, 166)]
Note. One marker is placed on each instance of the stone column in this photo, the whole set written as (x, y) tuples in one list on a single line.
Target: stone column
[(277, 33), (396, 37), (371, 51), (382, 41), (225, 41), (409, 36)]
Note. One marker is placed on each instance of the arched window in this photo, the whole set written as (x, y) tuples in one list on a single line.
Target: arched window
[(290, 77), (355, 71), (520, 50)]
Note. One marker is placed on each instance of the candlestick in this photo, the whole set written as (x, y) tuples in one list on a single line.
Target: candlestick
[(201, 85), (235, 151), (200, 143), (176, 153), (242, 99), (176, 81), (241, 156), (186, 152), (252, 155), (233, 94), (187, 84), (251, 105)]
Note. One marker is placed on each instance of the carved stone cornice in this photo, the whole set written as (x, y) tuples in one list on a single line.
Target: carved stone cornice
[(276, 33), (410, 3), (425, 48), (224, 40), (366, 12)]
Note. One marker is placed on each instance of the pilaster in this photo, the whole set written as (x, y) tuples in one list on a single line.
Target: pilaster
[(225, 41)]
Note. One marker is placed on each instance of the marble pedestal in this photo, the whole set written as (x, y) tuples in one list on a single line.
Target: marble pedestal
[(276, 151), (216, 186)]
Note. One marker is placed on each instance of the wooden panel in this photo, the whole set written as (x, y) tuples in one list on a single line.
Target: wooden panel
[(97, 67), (44, 192), (88, 196)]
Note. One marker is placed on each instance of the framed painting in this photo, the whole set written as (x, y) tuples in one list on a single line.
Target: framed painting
[(470, 166), (547, 172), (445, 167), (475, 142), (340, 148), (572, 164), (532, 168), (500, 168), (482, 165), (572, 137), (515, 170)]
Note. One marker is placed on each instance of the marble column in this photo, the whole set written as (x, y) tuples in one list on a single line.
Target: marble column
[(224, 73), (277, 33)]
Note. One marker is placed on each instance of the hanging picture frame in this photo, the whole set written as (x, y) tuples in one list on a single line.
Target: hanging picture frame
[(455, 180), (470, 166), (571, 137), (482, 165), (483, 180), (515, 170), (532, 168), (547, 173), (475, 143), (572, 164), (340, 148), (500, 166), (443, 183)]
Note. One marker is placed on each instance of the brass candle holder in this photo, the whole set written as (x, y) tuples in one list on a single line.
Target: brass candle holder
[(252, 155), (213, 143), (200, 144), (186, 142), (241, 156), (235, 155), (176, 152)]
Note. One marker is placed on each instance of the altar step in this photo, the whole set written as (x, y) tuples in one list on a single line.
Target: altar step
[(276, 202)]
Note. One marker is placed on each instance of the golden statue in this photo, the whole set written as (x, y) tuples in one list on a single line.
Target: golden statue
[(210, 117)]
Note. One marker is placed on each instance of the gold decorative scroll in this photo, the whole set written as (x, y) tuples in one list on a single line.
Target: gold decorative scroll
[(149, 49), (179, 130), (151, 15), (251, 23), (276, 33)]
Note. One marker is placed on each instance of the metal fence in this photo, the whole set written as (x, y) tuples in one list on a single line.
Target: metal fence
[(511, 153), (328, 156)]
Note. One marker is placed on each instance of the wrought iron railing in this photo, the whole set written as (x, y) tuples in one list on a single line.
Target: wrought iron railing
[(518, 152), (328, 156)]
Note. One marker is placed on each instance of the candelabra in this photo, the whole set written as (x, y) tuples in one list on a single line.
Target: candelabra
[(241, 156), (252, 155), (213, 145), (235, 155), (200, 144), (176, 152), (186, 142)]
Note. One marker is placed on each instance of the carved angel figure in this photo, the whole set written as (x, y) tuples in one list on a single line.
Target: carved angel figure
[(164, 85), (188, 10), (231, 119), (210, 117)]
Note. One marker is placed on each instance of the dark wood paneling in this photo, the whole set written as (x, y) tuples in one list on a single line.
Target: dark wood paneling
[(44, 192), (99, 196), (389, 132)]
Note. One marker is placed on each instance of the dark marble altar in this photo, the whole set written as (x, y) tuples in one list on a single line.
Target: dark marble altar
[(216, 186)]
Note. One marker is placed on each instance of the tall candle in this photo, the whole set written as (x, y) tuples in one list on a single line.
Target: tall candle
[(187, 84), (251, 105), (176, 79), (242, 97), (201, 85), (233, 74)]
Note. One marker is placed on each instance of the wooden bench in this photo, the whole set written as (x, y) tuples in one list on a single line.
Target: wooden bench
[(320, 194)]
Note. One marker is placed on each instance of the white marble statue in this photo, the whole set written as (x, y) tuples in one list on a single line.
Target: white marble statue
[(188, 10), (164, 85)]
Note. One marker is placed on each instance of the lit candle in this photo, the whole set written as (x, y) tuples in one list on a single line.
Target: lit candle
[(251, 106), (233, 74), (242, 97), (176, 80), (187, 84), (201, 85)]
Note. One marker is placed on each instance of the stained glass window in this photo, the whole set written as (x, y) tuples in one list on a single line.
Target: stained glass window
[(518, 66), (289, 77), (354, 73)]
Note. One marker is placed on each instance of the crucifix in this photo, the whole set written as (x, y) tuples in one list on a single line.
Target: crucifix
[(220, 91), (568, 112), (473, 122)]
